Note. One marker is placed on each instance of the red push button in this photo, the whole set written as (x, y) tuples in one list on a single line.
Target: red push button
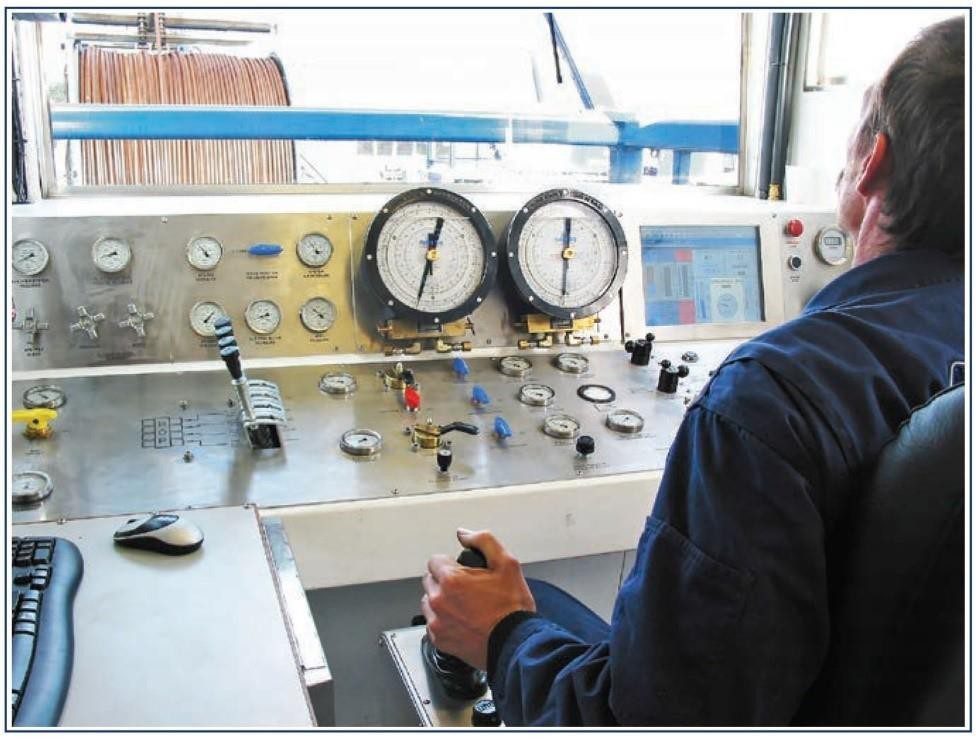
[(794, 228), (411, 398)]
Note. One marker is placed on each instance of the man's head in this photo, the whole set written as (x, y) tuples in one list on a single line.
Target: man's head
[(902, 187)]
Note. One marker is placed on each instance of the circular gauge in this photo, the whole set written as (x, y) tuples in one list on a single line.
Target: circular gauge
[(515, 366), (536, 394), (361, 442), (203, 315), (561, 426), (314, 250), (567, 253), (111, 254), (625, 421), (572, 362), (31, 487), (337, 383), (595, 393), (30, 257), (204, 252), (832, 246), (317, 314), (430, 256), (262, 316), (44, 396)]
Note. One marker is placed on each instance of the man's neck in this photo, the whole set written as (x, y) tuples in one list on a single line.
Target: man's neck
[(872, 240)]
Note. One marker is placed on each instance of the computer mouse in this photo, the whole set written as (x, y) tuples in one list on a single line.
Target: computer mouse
[(162, 532)]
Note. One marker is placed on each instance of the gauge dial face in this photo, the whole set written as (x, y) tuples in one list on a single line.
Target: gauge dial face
[(514, 365), (625, 421), (31, 486), (317, 314), (337, 383), (111, 254), (832, 246), (596, 393), (536, 394), (571, 362), (44, 396), (361, 442), (430, 256), (314, 250), (30, 257), (204, 252), (561, 426), (203, 315), (567, 253), (262, 316)]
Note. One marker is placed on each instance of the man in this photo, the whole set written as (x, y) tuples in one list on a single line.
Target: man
[(725, 617)]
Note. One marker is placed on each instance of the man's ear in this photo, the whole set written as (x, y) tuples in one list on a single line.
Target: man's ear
[(875, 166)]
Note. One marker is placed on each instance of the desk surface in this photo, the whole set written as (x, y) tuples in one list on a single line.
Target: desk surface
[(191, 641)]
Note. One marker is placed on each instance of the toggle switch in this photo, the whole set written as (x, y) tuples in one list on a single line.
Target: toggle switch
[(479, 397), (502, 429), (461, 368), (38, 421), (411, 399)]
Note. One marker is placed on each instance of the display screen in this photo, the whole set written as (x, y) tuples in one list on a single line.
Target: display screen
[(701, 274)]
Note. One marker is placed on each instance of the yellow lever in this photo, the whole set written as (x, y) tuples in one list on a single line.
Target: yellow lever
[(38, 421)]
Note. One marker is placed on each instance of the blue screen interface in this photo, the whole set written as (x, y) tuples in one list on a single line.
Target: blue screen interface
[(701, 274)]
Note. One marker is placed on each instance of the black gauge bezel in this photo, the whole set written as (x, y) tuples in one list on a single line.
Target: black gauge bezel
[(580, 393), (514, 233), (459, 204)]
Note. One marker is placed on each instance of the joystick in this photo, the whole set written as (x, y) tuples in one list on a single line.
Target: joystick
[(640, 349), (667, 381)]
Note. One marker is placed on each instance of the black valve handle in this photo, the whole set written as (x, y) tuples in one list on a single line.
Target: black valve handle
[(461, 427), (232, 359)]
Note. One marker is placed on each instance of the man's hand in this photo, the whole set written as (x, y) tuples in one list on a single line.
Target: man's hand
[(463, 604)]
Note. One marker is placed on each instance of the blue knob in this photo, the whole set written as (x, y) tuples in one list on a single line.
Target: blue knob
[(265, 249), (461, 367), (480, 397), (502, 430)]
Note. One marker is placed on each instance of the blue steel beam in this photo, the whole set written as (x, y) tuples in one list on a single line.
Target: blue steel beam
[(710, 137)]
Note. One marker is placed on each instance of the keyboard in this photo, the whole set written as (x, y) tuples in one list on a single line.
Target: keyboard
[(46, 575)]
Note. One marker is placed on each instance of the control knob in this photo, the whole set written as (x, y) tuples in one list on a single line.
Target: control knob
[(667, 382), (640, 349), (585, 445)]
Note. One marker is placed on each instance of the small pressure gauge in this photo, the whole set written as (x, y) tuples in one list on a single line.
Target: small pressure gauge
[(340, 384), (625, 421), (44, 396), (361, 442), (262, 316), (204, 252), (30, 257), (595, 393), (561, 426), (536, 395), (203, 315), (515, 366), (314, 250), (317, 314), (111, 255), (833, 246), (571, 362), (31, 487)]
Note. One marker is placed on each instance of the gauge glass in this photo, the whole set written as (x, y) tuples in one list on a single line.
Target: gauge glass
[(625, 421), (832, 246), (44, 396), (596, 393), (514, 365), (567, 254), (111, 254), (536, 395), (203, 315), (31, 486), (572, 362), (361, 442), (314, 250), (30, 257), (317, 314), (561, 426), (337, 383), (204, 252), (262, 316)]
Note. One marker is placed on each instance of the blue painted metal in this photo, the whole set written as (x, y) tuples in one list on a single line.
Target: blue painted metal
[(626, 165), (265, 249), (710, 137), (681, 167)]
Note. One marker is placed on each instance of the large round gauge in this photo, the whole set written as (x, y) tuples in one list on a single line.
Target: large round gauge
[(317, 314), (832, 246), (361, 442), (204, 252), (111, 254), (314, 250), (561, 426), (30, 257), (340, 383), (31, 487), (536, 395), (567, 253), (515, 366), (203, 315), (44, 396), (430, 256), (262, 316)]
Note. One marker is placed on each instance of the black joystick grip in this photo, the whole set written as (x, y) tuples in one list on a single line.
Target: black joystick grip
[(640, 349), (232, 359), (484, 714), (471, 557), (667, 381), (228, 341), (221, 321), (444, 459)]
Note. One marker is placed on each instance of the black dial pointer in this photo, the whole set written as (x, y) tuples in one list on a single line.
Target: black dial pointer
[(566, 240), (432, 239)]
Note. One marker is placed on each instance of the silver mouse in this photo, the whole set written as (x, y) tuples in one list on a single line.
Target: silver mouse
[(161, 532)]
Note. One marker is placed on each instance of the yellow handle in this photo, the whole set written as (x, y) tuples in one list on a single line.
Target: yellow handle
[(38, 421)]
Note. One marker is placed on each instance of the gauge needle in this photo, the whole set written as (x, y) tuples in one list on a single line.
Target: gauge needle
[(567, 252), (432, 239)]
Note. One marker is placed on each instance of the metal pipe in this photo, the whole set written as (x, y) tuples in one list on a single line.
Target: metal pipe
[(773, 72), (127, 40), (781, 133), (199, 24)]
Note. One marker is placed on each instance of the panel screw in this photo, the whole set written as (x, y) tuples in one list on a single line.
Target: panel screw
[(188, 456), (230, 403), (183, 404)]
